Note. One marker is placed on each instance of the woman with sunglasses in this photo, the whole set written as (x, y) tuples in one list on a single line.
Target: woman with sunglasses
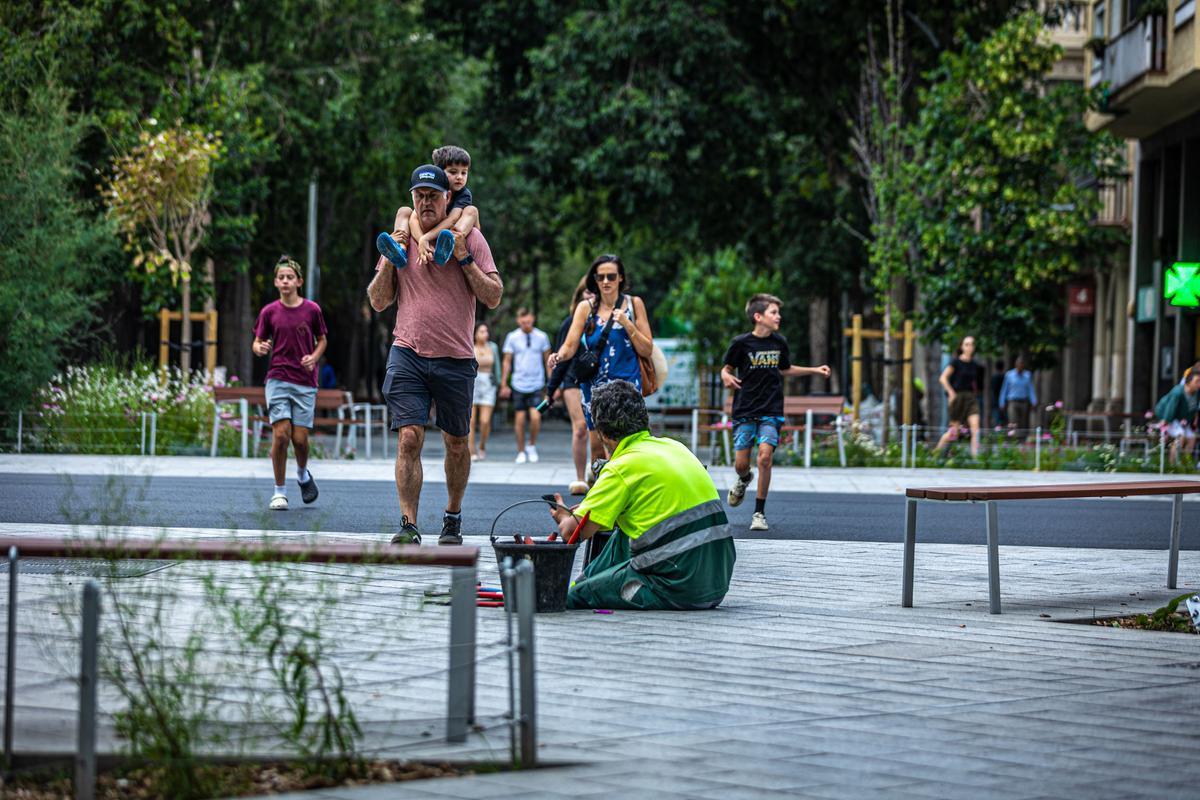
[(616, 319)]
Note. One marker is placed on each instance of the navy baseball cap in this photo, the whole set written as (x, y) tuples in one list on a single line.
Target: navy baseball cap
[(431, 177)]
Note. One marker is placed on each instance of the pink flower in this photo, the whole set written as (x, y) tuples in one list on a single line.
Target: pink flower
[(1149, 415), (1045, 437), (234, 379), (1058, 403), (998, 428)]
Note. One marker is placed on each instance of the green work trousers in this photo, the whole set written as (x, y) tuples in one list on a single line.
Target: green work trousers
[(695, 579)]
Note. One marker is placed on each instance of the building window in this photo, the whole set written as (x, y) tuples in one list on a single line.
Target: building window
[(1184, 11), (1098, 30)]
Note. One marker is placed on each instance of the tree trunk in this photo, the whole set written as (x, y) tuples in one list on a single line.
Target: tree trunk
[(244, 331), (185, 339), (886, 383), (818, 339)]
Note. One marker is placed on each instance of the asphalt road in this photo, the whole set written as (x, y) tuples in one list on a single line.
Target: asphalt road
[(371, 506)]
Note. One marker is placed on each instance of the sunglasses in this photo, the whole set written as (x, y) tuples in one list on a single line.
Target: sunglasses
[(605, 278)]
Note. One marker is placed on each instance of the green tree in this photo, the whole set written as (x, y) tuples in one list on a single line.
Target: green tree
[(50, 242), (709, 297), (999, 195), (158, 194)]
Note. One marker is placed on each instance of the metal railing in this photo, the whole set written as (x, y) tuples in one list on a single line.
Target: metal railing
[(1140, 49), (461, 674), (1114, 202)]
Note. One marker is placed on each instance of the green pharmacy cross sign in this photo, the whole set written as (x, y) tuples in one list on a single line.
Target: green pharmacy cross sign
[(1182, 284)]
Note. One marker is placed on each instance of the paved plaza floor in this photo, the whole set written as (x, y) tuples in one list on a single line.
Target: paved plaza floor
[(809, 681)]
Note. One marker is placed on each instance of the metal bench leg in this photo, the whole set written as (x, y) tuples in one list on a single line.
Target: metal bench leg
[(1176, 523), (910, 549), (993, 545)]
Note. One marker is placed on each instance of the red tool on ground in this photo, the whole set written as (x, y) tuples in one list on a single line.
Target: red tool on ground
[(578, 527)]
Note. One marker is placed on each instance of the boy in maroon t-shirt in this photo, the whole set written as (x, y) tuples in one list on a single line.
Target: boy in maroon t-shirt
[(293, 330)]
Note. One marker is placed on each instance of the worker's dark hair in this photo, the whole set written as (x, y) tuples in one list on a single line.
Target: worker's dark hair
[(618, 410), (523, 311), (759, 303), (449, 155)]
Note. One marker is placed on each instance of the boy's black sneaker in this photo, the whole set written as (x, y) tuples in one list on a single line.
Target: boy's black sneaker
[(451, 529), (308, 489), (408, 533)]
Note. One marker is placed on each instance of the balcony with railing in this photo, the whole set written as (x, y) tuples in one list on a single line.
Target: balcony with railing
[(1140, 49)]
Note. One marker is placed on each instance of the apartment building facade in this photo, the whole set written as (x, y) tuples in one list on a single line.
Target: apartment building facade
[(1144, 55)]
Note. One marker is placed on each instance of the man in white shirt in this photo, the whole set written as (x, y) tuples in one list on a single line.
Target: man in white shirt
[(526, 351)]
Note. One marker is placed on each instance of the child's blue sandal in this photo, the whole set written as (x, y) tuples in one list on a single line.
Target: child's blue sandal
[(390, 249), (444, 247)]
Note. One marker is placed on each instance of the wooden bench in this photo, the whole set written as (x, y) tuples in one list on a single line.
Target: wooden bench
[(799, 407), (990, 495), (338, 406)]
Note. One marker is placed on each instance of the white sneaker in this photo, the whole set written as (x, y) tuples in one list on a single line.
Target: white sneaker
[(521, 457), (737, 492), (759, 522), (279, 502), (531, 454)]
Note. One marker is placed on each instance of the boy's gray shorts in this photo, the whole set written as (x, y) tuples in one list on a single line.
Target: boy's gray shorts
[(291, 401)]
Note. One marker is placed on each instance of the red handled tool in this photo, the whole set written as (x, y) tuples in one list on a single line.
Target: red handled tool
[(578, 527)]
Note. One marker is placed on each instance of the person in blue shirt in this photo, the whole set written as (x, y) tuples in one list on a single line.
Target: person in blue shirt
[(1017, 395)]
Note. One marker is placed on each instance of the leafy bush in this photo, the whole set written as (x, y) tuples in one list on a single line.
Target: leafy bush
[(98, 409)]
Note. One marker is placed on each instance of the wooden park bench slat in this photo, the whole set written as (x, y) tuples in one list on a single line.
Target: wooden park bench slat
[(990, 495), (981, 494)]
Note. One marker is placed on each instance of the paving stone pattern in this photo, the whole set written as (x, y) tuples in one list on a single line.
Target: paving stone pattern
[(809, 681)]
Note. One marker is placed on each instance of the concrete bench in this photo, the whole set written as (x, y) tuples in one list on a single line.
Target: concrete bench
[(990, 495)]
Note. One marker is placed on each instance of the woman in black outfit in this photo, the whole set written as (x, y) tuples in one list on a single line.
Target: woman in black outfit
[(569, 393), (963, 380)]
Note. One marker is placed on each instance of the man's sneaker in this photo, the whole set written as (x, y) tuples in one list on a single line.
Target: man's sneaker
[(451, 530), (279, 502), (408, 533), (759, 522), (578, 488), (308, 489), (444, 248), (521, 457), (531, 454), (390, 249), (737, 492)]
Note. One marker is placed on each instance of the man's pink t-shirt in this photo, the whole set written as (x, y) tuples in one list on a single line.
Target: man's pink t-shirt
[(435, 307), (293, 333)]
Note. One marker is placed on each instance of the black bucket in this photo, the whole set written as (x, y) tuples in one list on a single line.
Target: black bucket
[(552, 563)]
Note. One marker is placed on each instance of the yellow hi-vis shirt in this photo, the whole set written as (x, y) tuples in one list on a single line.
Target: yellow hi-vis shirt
[(647, 480)]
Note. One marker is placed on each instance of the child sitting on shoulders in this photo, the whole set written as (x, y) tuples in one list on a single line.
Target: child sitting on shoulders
[(436, 244)]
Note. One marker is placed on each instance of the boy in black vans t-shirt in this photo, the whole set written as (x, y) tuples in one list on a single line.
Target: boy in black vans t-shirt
[(755, 364)]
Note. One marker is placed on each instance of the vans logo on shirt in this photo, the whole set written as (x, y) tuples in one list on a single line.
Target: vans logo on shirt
[(764, 359)]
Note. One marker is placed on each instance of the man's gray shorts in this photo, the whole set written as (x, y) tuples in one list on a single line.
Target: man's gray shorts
[(291, 401)]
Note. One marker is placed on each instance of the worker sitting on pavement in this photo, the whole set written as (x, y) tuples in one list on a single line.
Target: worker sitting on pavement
[(673, 548)]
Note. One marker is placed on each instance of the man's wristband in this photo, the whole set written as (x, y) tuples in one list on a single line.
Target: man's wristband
[(465, 260)]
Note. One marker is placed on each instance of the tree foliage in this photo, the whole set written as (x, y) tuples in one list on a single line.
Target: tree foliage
[(710, 298), (158, 195), (50, 242), (999, 195)]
